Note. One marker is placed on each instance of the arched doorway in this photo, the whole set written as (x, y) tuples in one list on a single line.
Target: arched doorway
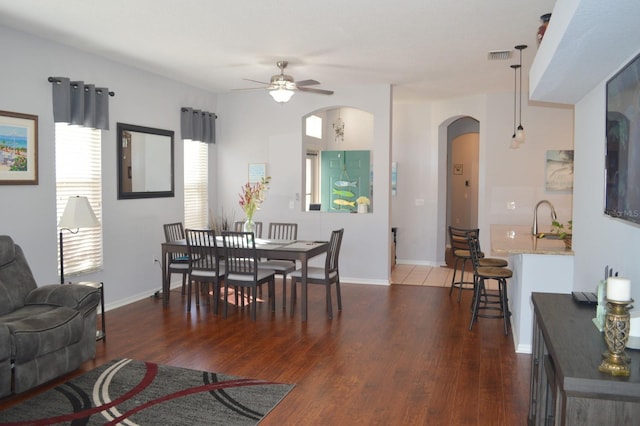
[(463, 135)]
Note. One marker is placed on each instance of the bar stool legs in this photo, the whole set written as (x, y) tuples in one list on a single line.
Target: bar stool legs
[(482, 301)]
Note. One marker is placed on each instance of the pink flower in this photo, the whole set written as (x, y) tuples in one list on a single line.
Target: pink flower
[(253, 195)]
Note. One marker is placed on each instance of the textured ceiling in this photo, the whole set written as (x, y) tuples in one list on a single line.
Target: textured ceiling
[(425, 48)]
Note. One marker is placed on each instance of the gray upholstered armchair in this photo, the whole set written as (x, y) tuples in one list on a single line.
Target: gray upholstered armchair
[(44, 331)]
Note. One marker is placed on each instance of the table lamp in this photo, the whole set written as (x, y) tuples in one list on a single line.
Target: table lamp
[(77, 214)]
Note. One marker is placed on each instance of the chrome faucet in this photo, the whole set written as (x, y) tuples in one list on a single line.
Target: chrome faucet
[(534, 228)]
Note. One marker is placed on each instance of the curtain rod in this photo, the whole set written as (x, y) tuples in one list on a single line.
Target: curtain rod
[(58, 81), (184, 109)]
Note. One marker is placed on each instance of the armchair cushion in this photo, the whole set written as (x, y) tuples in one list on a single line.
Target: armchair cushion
[(39, 330), (74, 296)]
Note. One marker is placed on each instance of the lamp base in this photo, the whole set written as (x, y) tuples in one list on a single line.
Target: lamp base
[(616, 365)]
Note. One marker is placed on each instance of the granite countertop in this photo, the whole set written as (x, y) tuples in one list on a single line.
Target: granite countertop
[(517, 239)]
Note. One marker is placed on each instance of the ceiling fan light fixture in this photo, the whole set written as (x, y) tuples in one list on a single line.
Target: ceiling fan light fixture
[(281, 95)]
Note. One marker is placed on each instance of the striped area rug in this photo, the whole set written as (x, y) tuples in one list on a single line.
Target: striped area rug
[(132, 392)]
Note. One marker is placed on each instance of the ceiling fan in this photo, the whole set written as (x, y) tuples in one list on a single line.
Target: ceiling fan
[(282, 86)]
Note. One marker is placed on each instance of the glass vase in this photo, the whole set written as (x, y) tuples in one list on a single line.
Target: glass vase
[(249, 226)]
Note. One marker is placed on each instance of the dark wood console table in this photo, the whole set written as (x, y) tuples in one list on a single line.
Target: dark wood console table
[(566, 386)]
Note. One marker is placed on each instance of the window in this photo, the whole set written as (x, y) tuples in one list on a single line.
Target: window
[(196, 176), (312, 180), (79, 172), (314, 126)]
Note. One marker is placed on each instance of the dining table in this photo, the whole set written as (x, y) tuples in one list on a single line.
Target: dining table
[(296, 250)]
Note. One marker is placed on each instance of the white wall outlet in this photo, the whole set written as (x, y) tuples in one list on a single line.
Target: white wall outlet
[(291, 204), (419, 201)]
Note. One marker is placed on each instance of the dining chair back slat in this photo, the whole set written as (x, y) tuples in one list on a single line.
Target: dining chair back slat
[(283, 231)]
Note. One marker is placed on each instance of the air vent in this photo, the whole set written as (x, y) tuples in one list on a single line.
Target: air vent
[(499, 55)]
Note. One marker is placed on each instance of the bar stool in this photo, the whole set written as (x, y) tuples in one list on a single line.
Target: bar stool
[(490, 302), (459, 239)]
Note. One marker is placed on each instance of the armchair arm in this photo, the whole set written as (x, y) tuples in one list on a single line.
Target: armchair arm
[(74, 296)]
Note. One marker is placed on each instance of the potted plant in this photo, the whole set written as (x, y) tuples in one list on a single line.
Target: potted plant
[(363, 204), (564, 233)]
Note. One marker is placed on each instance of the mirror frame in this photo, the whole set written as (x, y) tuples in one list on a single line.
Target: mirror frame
[(123, 195)]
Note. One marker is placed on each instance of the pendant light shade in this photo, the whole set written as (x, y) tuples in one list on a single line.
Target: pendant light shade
[(520, 135), (514, 143)]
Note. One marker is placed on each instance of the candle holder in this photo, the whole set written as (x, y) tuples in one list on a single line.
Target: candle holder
[(616, 334)]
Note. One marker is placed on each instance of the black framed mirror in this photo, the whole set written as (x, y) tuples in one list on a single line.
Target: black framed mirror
[(145, 162)]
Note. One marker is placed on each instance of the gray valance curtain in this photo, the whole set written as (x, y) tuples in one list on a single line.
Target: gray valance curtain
[(198, 125), (78, 103)]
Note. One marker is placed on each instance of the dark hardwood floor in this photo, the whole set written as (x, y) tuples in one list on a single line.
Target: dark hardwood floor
[(397, 355)]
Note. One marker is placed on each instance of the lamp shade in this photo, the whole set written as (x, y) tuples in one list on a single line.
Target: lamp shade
[(78, 214), (281, 95), (520, 135)]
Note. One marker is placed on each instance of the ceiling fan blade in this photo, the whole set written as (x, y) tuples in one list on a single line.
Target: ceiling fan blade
[(319, 91), (255, 81), (307, 83)]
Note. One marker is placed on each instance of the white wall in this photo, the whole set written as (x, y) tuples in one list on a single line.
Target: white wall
[(598, 240), (505, 175), (254, 129), (132, 229)]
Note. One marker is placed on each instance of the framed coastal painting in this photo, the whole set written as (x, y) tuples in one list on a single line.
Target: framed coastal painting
[(257, 171), (18, 148), (559, 171)]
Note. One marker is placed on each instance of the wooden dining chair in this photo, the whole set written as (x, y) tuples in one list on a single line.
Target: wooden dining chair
[(281, 231), (206, 268), (241, 266), (238, 226), (326, 276), (178, 262)]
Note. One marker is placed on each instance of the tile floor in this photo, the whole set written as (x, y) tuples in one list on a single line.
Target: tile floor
[(433, 276)]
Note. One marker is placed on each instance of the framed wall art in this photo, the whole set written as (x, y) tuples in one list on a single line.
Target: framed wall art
[(622, 162), (18, 148), (559, 171), (257, 171)]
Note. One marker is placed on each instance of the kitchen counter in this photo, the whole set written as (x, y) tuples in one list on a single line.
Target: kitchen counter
[(538, 265), (517, 239)]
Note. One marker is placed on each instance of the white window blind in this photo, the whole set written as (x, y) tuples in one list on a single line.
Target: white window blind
[(79, 172), (196, 176)]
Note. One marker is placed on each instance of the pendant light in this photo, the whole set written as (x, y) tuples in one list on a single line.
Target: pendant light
[(514, 143), (520, 136)]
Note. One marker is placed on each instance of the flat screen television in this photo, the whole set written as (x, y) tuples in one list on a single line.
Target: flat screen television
[(622, 198)]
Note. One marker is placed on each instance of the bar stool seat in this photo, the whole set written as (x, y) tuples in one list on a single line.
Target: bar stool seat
[(492, 262)]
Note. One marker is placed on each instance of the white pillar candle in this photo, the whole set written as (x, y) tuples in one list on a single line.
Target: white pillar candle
[(618, 289)]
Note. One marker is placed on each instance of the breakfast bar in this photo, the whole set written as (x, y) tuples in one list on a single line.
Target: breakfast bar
[(542, 265)]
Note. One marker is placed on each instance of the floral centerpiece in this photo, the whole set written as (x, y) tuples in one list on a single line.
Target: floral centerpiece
[(251, 198)]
